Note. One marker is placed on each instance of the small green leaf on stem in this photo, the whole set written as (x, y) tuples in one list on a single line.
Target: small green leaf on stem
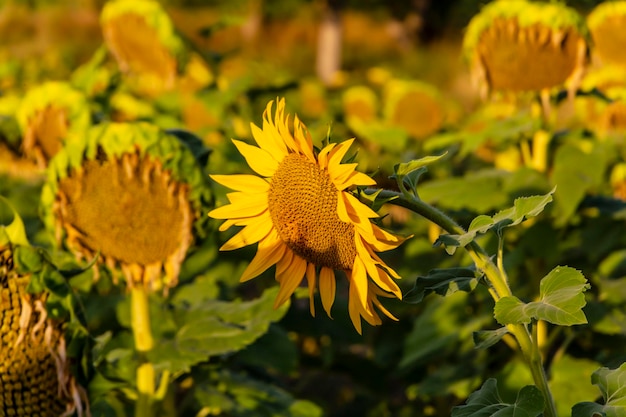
[(443, 282), (523, 208), (487, 338), (612, 384), (487, 402), (561, 301), (373, 198), (410, 172)]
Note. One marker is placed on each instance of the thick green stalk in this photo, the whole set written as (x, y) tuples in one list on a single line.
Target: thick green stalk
[(499, 287), (140, 322)]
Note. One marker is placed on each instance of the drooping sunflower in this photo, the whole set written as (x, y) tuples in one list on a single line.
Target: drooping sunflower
[(48, 115), (526, 46), (300, 211), (131, 194)]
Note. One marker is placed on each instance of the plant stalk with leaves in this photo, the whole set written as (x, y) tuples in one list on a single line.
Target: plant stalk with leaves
[(561, 291)]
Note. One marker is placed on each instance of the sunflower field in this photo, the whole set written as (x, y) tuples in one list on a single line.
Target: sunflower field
[(308, 208)]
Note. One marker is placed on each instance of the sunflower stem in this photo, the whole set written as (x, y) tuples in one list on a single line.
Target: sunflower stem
[(142, 333), (499, 286)]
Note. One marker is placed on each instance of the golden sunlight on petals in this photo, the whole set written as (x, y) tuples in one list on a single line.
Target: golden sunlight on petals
[(250, 234), (327, 289), (336, 155), (290, 280), (379, 276), (270, 143), (359, 281), (253, 206), (269, 252), (310, 279), (243, 183), (260, 160)]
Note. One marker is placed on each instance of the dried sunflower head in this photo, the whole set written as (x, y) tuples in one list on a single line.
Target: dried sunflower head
[(606, 24), (141, 37), (518, 45), (48, 115), (35, 377), (131, 193)]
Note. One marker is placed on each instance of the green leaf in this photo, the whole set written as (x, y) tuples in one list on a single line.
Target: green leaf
[(523, 208), (575, 172), (561, 301), (443, 282), (375, 201), (215, 328), (486, 402), (487, 338), (612, 384), (570, 382), (11, 224), (410, 172)]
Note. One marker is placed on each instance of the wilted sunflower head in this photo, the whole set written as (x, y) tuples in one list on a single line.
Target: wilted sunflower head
[(141, 37), (300, 211), (415, 106), (48, 115), (518, 45), (132, 194), (35, 377), (606, 23)]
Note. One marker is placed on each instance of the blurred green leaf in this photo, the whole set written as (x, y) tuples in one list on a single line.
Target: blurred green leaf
[(575, 173), (443, 282), (11, 224), (570, 381), (238, 395), (486, 338), (612, 384), (215, 328), (409, 173), (561, 301), (486, 402)]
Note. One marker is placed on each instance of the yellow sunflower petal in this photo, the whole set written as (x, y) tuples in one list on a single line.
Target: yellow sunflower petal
[(336, 155), (348, 214), (228, 223), (327, 289), (249, 235), (322, 158), (290, 280), (380, 277), (359, 281), (260, 160), (254, 205), (354, 310), (271, 143), (283, 265), (378, 305), (303, 138), (354, 178), (310, 279), (270, 251), (244, 183)]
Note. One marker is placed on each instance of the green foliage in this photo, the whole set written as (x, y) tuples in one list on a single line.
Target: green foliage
[(561, 300), (611, 384), (487, 402)]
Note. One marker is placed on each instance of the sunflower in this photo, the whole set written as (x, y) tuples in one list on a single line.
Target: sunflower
[(306, 222)]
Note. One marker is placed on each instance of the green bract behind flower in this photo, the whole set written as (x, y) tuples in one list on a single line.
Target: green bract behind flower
[(517, 45), (142, 38), (606, 23), (132, 194), (48, 115)]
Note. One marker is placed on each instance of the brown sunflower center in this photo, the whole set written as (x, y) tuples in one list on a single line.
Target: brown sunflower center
[(303, 206), (127, 208)]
